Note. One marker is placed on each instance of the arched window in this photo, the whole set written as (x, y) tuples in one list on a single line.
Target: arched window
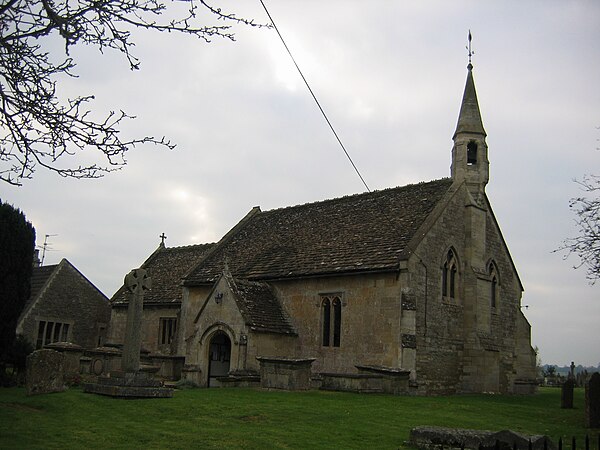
[(493, 273), (450, 276), (326, 306), (331, 307), (337, 321), (471, 153)]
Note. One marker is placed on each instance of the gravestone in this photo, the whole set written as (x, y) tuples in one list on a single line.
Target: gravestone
[(566, 394), (592, 401), (134, 381), (45, 372)]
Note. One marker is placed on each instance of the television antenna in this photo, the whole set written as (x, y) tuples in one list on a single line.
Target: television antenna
[(46, 246)]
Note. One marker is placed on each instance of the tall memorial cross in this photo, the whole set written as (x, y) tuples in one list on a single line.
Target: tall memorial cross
[(137, 281)]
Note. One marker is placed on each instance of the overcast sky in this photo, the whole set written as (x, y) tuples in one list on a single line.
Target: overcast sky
[(390, 75)]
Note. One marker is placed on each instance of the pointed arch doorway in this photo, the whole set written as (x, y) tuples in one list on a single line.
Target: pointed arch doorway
[(219, 357)]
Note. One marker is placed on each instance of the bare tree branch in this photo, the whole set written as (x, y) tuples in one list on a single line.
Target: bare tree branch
[(39, 130), (586, 245)]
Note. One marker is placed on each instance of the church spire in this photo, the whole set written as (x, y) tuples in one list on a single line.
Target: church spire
[(469, 118), (470, 154)]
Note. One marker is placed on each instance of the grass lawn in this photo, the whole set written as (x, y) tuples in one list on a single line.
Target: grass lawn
[(254, 419)]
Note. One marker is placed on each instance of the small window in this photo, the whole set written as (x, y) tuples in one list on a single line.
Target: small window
[(493, 273), (101, 335), (331, 316), (166, 330), (471, 153)]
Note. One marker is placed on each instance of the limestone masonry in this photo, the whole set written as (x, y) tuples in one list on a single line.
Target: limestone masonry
[(409, 290)]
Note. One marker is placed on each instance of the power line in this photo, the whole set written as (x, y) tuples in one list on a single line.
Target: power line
[(315, 97)]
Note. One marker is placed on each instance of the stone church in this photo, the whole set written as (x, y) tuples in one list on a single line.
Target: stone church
[(406, 290)]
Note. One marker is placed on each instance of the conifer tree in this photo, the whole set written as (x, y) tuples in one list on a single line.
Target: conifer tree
[(17, 243)]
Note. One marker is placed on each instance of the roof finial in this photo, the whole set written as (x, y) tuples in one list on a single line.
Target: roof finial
[(471, 52), (162, 239)]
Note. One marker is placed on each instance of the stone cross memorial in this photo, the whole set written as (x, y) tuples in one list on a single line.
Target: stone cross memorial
[(137, 281), (135, 381)]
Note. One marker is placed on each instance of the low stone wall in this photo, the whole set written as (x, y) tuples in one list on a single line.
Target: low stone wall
[(170, 367), (192, 373), (368, 379), (525, 387), (240, 379), (72, 354), (352, 382), (434, 438), (103, 360), (285, 373)]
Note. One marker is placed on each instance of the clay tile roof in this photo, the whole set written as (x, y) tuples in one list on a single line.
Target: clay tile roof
[(166, 267), (260, 308), (363, 232)]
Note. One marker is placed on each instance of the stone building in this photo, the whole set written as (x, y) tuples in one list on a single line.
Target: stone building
[(166, 267), (411, 286), (64, 306)]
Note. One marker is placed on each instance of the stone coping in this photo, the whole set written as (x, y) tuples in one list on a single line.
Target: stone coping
[(64, 347), (128, 385), (352, 375), (527, 381), (234, 378), (103, 351), (128, 391), (384, 370), (283, 360), (160, 356), (430, 438)]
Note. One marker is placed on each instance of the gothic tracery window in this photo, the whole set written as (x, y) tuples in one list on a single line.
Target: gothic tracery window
[(450, 276)]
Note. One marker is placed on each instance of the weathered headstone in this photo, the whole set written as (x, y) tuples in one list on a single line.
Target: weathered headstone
[(566, 394), (592, 401), (572, 371), (45, 372), (136, 281)]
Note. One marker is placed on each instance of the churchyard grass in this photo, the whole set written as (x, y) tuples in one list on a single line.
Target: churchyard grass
[(256, 419)]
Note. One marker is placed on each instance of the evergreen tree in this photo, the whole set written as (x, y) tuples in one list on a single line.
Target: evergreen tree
[(17, 243)]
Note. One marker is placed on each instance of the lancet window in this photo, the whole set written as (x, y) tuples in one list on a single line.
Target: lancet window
[(331, 316), (450, 276)]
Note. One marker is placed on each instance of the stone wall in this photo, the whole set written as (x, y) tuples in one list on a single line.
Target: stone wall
[(285, 373), (150, 327), (370, 326), (464, 344), (439, 321), (70, 298)]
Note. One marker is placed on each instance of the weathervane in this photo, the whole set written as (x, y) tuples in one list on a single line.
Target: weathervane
[(471, 52)]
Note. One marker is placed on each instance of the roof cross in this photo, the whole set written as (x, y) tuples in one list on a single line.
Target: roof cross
[(162, 239)]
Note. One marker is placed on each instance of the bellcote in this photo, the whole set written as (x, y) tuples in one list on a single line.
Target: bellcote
[(470, 153)]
